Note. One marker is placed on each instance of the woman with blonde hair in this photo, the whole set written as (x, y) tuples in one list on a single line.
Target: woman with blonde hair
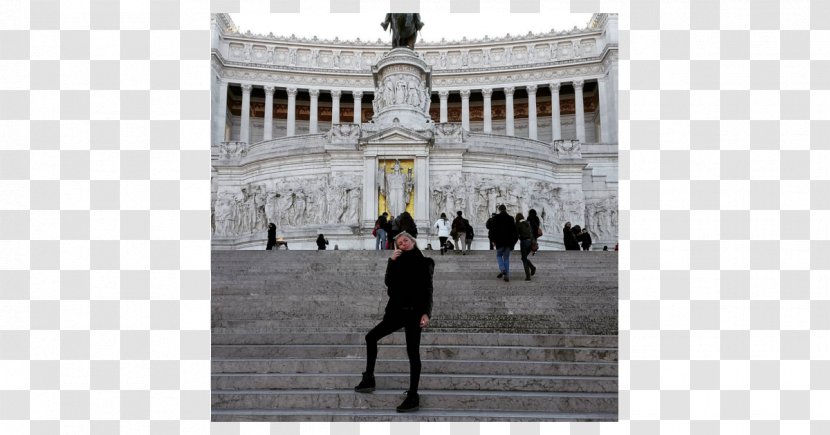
[(409, 287)]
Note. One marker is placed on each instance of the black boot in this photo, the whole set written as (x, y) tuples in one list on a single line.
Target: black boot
[(527, 273), (367, 384), (532, 269), (410, 404)]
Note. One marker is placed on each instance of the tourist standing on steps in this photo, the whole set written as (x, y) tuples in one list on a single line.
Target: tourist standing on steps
[(407, 224), (490, 231), (321, 242), (504, 237), (393, 231), (535, 226), (409, 287), (525, 232), (272, 236), (443, 226), (470, 234), (460, 228), (380, 232), (570, 240), (585, 238)]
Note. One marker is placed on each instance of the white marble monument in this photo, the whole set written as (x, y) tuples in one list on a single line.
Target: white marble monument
[(323, 136)]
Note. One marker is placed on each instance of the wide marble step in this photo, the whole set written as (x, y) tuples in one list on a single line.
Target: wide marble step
[(506, 353), (358, 337), (468, 401), (444, 382), (355, 365), (390, 415)]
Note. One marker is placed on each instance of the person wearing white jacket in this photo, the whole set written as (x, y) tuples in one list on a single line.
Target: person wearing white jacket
[(443, 226)]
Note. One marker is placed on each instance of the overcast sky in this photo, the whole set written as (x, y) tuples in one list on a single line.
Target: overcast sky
[(494, 19)]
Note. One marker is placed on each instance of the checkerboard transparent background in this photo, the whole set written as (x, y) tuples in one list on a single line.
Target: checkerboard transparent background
[(724, 197)]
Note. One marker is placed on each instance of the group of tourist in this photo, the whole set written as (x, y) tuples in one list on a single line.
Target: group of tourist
[(576, 235), (505, 230), (388, 227), (460, 230)]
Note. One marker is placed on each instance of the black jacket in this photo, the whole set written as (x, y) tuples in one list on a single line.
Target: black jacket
[(409, 283), (524, 230), (585, 238), (570, 240), (504, 230), (534, 224)]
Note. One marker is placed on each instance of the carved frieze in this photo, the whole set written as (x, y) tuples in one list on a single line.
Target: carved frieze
[(291, 202)]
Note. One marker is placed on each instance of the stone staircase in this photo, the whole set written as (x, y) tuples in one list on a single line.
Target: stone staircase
[(288, 328)]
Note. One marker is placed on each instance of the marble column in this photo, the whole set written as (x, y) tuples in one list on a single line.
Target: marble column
[(604, 115), (358, 101), (312, 120), (488, 111), (442, 96), (421, 194), (531, 112), (245, 127), (268, 122), (465, 109), (580, 110), (292, 112), (335, 107), (508, 101), (220, 113), (555, 117), (370, 191), (613, 95)]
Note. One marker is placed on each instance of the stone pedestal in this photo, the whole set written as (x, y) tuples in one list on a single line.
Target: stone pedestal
[(402, 86)]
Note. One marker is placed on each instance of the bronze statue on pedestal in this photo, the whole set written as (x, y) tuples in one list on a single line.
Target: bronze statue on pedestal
[(405, 29)]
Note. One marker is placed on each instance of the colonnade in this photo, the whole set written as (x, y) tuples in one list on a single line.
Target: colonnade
[(606, 107)]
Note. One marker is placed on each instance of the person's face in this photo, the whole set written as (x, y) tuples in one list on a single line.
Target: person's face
[(405, 243)]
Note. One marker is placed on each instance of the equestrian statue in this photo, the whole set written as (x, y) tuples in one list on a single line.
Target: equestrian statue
[(405, 29)]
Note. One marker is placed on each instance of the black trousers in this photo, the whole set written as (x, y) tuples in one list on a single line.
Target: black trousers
[(391, 323)]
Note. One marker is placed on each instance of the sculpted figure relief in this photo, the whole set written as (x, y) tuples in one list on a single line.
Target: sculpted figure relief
[(288, 204), (479, 196)]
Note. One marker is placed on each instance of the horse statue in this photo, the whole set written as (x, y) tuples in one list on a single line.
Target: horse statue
[(405, 29)]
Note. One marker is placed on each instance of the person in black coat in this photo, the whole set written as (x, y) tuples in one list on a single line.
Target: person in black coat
[(409, 287), (321, 242), (570, 239), (272, 236), (504, 237), (585, 238), (407, 224), (534, 222), (488, 225)]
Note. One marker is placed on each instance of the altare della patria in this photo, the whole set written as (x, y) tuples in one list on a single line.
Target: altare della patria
[(322, 136)]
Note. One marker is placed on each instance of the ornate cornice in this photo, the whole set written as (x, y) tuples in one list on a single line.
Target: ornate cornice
[(231, 31)]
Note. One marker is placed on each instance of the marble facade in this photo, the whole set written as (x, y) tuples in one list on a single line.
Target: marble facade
[(300, 127)]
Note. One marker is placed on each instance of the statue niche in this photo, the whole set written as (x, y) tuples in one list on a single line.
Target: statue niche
[(395, 186)]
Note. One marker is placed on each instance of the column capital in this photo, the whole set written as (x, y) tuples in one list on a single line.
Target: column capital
[(508, 91), (465, 93), (443, 93), (578, 84), (357, 94), (487, 92), (269, 90), (314, 93), (335, 93), (554, 87), (246, 88), (531, 89), (292, 92)]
